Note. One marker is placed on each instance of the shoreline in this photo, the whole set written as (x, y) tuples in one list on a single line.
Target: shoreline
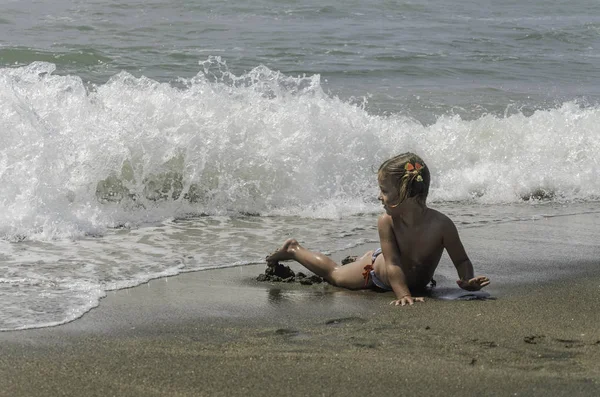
[(539, 251), (250, 272), (223, 333)]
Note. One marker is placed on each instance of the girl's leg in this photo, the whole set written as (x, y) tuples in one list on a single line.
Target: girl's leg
[(347, 276)]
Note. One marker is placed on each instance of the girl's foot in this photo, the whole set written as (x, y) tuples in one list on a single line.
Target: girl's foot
[(284, 253)]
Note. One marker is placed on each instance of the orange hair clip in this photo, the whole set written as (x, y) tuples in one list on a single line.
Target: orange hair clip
[(414, 168), (410, 167)]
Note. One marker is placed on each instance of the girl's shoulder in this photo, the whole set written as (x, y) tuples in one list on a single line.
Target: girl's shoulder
[(384, 219), (435, 214), (441, 220), (435, 217)]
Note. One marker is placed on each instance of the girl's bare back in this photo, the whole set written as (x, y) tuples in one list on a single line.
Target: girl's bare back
[(420, 247)]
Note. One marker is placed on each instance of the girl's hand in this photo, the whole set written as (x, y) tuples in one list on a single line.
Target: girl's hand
[(406, 300), (474, 284)]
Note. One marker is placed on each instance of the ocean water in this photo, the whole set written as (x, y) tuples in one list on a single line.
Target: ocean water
[(145, 139)]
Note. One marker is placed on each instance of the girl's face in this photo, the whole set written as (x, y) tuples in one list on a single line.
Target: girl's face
[(388, 195)]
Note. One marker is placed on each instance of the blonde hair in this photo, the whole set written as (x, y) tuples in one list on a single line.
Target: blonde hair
[(409, 173)]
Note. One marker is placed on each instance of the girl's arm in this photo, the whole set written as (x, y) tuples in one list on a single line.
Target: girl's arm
[(461, 261), (391, 254)]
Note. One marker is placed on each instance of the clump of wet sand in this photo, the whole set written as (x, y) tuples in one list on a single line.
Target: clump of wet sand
[(279, 273)]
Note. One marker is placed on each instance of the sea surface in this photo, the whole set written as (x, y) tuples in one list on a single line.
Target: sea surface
[(140, 139)]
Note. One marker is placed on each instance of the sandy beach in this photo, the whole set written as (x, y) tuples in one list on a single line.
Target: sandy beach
[(221, 332)]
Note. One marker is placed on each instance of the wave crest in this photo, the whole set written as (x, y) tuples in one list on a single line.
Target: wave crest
[(79, 158)]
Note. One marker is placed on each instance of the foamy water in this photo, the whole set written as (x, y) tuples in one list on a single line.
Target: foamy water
[(79, 159)]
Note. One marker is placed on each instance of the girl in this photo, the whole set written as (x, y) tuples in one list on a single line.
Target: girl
[(413, 238)]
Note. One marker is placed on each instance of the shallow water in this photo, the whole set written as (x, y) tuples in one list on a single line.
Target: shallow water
[(51, 282)]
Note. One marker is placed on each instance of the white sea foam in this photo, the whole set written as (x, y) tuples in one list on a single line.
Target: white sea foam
[(78, 159)]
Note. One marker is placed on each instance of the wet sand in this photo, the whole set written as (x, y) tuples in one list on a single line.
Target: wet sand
[(221, 332)]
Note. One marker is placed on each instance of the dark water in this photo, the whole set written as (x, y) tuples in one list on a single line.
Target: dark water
[(422, 58)]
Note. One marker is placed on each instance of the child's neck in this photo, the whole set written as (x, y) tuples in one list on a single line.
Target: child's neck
[(410, 212)]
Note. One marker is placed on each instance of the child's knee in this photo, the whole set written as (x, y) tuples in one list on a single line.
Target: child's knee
[(334, 277), (343, 276)]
